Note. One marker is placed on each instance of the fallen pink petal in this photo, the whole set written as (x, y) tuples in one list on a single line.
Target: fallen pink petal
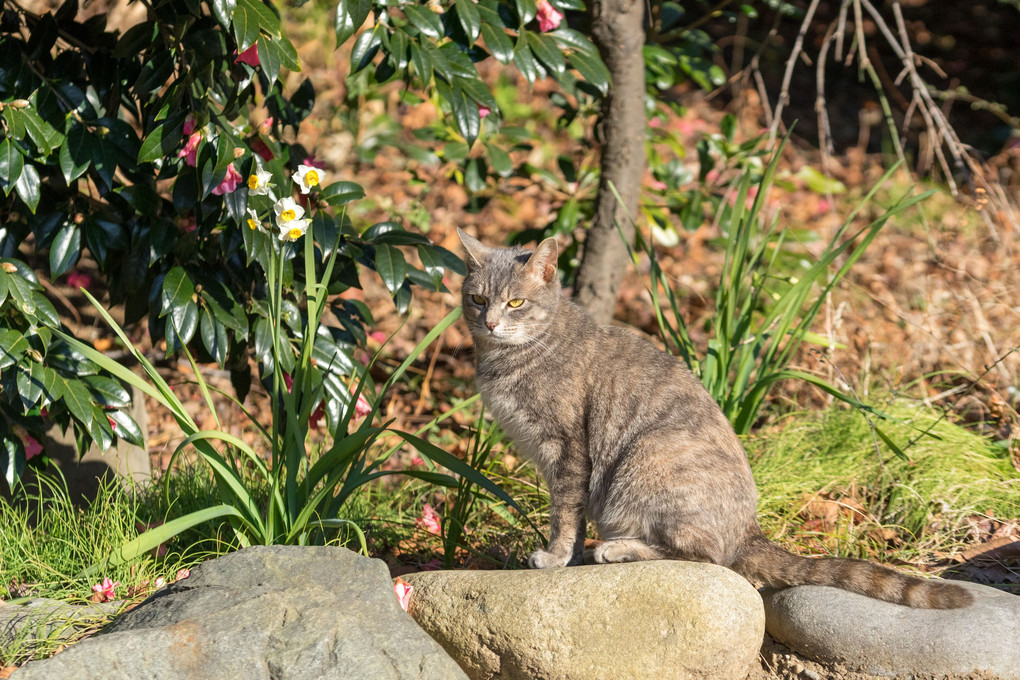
[(182, 574), (430, 521), (403, 589), (105, 590)]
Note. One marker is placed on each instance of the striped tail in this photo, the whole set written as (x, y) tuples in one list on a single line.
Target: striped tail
[(760, 560)]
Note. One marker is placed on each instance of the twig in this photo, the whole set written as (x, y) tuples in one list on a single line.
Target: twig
[(784, 92)]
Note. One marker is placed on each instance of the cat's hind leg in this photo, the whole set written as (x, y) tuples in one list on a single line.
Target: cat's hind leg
[(622, 550)]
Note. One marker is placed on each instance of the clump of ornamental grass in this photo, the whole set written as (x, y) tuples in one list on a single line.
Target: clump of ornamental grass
[(48, 542), (893, 507)]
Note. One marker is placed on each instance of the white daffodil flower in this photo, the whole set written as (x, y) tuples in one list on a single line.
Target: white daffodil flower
[(287, 210), (258, 181), (293, 230), (253, 221), (307, 177)]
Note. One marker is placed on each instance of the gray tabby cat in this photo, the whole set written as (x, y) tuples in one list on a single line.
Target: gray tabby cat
[(626, 434)]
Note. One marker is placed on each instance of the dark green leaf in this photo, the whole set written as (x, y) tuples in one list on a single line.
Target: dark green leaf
[(126, 427), (545, 48), (12, 346), (392, 267), (78, 401), (30, 384), (422, 61), (350, 15), (499, 160), (393, 234), (592, 69), (107, 392), (470, 21), (425, 20), (12, 458), (76, 153), (365, 49), (177, 288), (526, 10), (28, 187), (341, 193), (162, 142), (214, 337), (465, 115), (525, 62), (65, 249), (433, 264), (11, 164), (498, 43)]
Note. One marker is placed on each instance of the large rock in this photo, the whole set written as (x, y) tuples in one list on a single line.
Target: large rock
[(284, 613), (658, 620), (834, 626)]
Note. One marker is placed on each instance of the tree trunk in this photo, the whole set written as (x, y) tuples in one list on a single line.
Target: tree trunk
[(618, 31)]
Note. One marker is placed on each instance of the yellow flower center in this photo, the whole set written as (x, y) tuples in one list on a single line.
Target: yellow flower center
[(288, 214), (294, 234), (252, 224), (253, 182), (311, 178)]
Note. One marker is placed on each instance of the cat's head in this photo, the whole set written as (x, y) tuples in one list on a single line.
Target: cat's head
[(510, 295)]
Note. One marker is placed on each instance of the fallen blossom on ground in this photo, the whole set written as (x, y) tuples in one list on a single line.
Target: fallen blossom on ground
[(430, 521), (104, 590), (403, 591)]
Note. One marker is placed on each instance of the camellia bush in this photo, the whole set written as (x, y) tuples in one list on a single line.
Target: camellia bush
[(149, 150)]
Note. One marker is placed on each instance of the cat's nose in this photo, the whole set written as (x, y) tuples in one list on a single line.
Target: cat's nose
[(491, 324)]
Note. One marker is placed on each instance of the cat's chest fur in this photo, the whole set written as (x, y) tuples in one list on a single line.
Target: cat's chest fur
[(531, 411)]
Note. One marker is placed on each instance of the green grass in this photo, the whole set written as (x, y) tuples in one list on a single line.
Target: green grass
[(925, 500)]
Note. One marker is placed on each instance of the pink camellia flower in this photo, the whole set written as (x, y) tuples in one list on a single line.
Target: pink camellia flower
[(266, 126), (250, 56), (288, 381), (190, 151), (549, 17), (32, 447), (104, 591), (377, 337), (182, 574), (403, 590), (230, 181), (189, 124), (189, 224), (417, 461), (483, 111), (77, 279), (429, 521)]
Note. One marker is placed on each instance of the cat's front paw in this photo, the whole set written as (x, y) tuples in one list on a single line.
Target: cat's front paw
[(543, 559)]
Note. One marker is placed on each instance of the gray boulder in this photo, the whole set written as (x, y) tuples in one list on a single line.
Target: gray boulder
[(837, 627), (659, 620), (284, 613)]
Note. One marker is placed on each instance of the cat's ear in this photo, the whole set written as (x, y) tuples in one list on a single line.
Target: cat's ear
[(477, 252), (541, 265)]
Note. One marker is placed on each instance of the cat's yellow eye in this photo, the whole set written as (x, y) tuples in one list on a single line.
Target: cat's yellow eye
[(479, 300), (515, 303)]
